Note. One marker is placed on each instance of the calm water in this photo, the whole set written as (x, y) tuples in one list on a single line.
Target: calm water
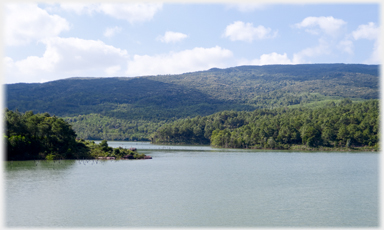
[(196, 186)]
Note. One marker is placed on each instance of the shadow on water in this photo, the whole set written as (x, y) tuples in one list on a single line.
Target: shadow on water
[(50, 165), (33, 165)]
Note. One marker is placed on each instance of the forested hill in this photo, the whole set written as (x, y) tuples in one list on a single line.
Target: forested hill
[(132, 108), (342, 124)]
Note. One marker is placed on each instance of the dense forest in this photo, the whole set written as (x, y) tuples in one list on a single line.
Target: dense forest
[(99, 127), (32, 136), (123, 108), (343, 124)]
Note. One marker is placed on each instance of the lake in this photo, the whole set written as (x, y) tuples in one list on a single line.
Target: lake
[(196, 186)]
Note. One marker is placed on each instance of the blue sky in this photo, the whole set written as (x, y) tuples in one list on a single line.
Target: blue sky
[(45, 42)]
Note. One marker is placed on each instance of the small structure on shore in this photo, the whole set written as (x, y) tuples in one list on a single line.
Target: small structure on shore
[(107, 158), (132, 149)]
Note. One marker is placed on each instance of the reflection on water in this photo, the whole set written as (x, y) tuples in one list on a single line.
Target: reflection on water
[(184, 186), (39, 165)]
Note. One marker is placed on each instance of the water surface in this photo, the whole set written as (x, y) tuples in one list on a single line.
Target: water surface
[(196, 186)]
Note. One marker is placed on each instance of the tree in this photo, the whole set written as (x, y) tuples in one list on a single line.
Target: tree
[(271, 142), (311, 136), (343, 134), (34, 136), (328, 135), (104, 146)]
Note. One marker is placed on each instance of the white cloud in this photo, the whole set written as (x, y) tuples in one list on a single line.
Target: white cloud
[(130, 12), (369, 31), (323, 48), (67, 57), (179, 62), (330, 30), (110, 32), (110, 71), (375, 57), (27, 22), (247, 7), (80, 8), (316, 25), (70, 57), (240, 31), (268, 59), (346, 46), (170, 36)]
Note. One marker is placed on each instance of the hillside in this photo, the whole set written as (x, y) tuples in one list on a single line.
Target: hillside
[(132, 108)]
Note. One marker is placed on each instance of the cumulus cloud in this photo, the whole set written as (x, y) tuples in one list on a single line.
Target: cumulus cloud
[(179, 62), (328, 45), (268, 59), (27, 22), (330, 30), (316, 25), (68, 57), (130, 12), (240, 31), (170, 36), (110, 32), (370, 32)]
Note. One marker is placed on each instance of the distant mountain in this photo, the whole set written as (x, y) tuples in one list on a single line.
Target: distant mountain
[(139, 105)]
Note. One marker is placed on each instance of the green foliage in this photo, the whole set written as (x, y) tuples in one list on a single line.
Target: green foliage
[(99, 127), (103, 150), (337, 125), (41, 136), (133, 108), (34, 136), (104, 146), (50, 157)]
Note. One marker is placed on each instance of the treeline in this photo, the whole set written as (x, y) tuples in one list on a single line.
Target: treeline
[(103, 127), (344, 124), (99, 127), (30, 136), (198, 130), (135, 127)]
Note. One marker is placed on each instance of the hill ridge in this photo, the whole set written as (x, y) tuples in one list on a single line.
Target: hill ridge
[(161, 98)]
